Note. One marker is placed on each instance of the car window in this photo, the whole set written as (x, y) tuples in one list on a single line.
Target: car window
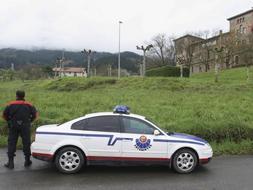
[(132, 125), (100, 123), (79, 125), (103, 123)]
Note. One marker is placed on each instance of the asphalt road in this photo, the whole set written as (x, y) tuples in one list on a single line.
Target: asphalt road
[(227, 172)]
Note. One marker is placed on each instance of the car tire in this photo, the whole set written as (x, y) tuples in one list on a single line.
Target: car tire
[(184, 161), (69, 160)]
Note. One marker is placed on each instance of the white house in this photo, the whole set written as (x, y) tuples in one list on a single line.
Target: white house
[(70, 72)]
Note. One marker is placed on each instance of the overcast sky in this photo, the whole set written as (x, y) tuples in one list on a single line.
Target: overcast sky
[(93, 24)]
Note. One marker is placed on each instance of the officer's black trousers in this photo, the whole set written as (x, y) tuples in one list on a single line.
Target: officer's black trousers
[(25, 133)]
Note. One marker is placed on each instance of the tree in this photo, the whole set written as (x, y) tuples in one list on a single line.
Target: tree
[(163, 51), (7, 75), (184, 50), (48, 71)]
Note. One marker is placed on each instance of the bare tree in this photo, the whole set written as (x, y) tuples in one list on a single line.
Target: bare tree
[(163, 50), (185, 53)]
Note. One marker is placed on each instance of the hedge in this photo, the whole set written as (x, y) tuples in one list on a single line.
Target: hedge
[(167, 71)]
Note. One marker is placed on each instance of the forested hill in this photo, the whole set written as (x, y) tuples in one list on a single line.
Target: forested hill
[(20, 58)]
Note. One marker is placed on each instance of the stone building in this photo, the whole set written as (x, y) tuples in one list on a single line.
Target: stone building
[(202, 55)]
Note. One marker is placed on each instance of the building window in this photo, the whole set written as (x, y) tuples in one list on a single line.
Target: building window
[(236, 60), (241, 29), (244, 30), (227, 62), (240, 20), (207, 67)]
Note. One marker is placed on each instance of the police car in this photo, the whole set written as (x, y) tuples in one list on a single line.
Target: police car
[(117, 138)]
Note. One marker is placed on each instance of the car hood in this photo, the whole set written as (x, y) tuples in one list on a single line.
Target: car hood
[(187, 137)]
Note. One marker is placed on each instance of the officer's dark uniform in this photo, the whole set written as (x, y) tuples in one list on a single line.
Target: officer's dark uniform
[(19, 114)]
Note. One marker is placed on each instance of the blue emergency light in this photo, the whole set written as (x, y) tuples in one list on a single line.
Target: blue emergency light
[(121, 109)]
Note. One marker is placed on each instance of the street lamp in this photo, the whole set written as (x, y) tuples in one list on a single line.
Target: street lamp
[(120, 22), (144, 49), (88, 53)]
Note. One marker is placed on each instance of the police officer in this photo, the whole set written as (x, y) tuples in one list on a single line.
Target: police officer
[(19, 114)]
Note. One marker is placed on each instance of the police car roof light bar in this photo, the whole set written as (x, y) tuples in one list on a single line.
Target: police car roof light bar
[(121, 109)]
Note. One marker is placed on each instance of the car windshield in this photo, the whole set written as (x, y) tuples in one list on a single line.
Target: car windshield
[(153, 123), (168, 133)]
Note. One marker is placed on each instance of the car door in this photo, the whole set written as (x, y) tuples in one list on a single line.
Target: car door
[(140, 143), (101, 137)]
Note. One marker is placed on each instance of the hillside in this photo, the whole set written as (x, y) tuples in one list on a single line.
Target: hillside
[(129, 60), (221, 113)]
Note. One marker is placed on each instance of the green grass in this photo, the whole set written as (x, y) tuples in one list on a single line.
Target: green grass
[(220, 112)]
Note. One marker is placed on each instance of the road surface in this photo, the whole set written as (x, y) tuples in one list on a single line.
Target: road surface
[(226, 172)]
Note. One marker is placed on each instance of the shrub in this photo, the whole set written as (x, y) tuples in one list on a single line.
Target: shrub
[(167, 71)]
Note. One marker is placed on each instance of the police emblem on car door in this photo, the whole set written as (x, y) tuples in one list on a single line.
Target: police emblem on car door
[(143, 144)]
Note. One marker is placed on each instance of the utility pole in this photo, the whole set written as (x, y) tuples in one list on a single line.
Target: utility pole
[(109, 70), (62, 63), (144, 49), (120, 22), (88, 53)]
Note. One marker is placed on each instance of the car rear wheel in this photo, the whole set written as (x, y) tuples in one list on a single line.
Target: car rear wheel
[(69, 160), (185, 161)]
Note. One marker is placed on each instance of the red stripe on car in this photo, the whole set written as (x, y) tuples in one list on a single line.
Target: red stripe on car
[(126, 158), (42, 155)]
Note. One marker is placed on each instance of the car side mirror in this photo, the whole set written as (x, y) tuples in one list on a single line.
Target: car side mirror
[(156, 132)]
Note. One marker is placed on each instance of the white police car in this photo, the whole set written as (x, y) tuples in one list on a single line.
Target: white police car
[(117, 138)]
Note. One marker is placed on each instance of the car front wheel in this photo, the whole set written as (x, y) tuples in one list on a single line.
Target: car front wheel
[(69, 160), (185, 161)]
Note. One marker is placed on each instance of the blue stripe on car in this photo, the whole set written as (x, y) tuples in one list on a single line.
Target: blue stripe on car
[(189, 137), (177, 141), (111, 143)]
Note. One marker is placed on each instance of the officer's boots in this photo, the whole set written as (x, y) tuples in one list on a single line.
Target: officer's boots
[(28, 161), (10, 163)]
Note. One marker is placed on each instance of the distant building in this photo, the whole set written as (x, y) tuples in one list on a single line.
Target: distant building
[(242, 23), (70, 72), (201, 54)]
